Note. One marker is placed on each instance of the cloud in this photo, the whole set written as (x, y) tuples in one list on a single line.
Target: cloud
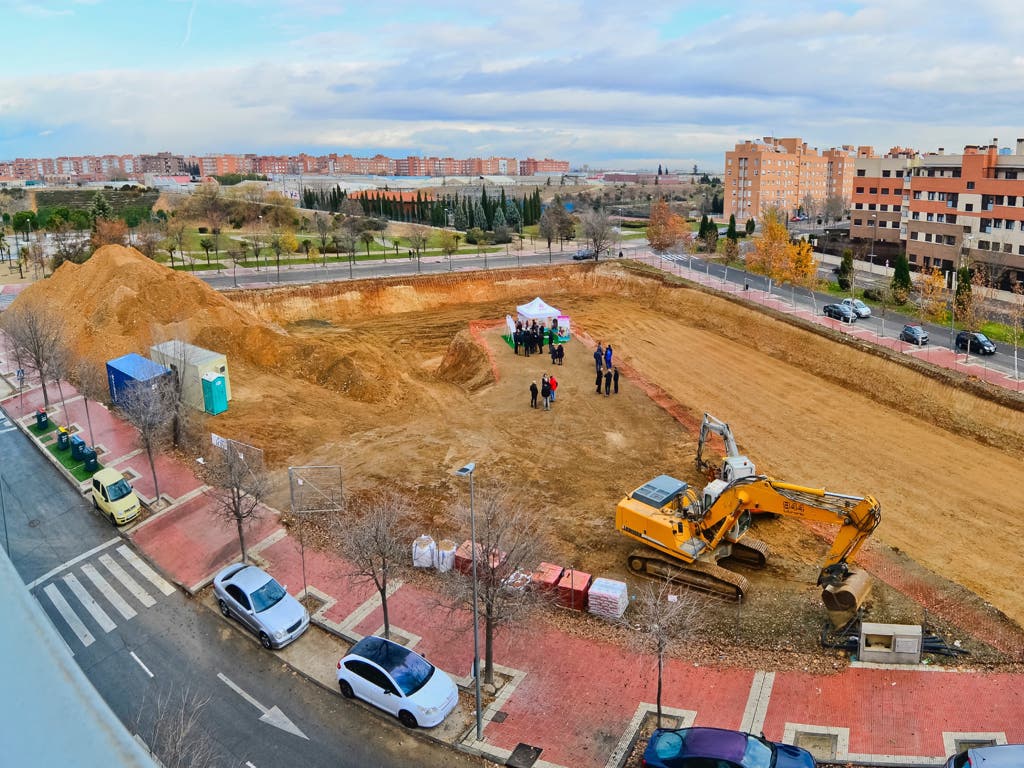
[(592, 82)]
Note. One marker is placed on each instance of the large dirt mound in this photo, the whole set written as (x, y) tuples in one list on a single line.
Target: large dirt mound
[(466, 364), (119, 301)]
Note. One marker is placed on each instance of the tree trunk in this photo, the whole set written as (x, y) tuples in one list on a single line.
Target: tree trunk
[(661, 666), (383, 588), (152, 468), (489, 645)]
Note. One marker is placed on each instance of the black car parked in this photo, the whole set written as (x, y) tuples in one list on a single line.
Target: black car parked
[(840, 312), (978, 342)]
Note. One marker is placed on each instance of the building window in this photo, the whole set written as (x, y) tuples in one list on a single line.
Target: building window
[(970, 185), (917, 194), (885, 190), (883, 207), (860, 190), (856, 222), (1011, 199), (1007, 248), (927, 237), (968, 206), (861, 172), (871, 206), (886, 174), (1010, 175), (916, 215), (873, 190), (930, 217)]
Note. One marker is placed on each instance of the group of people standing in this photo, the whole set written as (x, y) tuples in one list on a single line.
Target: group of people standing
[(530, 337), (607, 373), (547, 389)]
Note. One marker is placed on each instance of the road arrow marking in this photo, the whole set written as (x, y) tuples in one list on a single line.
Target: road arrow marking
[(272, 716)]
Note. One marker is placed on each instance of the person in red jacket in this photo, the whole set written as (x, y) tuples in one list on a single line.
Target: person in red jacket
[(554, 386)]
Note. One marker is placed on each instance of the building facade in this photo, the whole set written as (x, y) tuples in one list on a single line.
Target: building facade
[(783, 173), (881, 189)]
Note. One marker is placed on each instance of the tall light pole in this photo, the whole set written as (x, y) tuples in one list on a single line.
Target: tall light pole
[(468, 470), (874, 236)]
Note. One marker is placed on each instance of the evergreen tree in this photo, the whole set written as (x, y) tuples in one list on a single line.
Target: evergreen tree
[(100, 208), (963, 299), (512, 215), (845, 275), (901, 279), (731, 233), (479, 216), (499, 218), (750, 226), (659, 169), (460, 220)]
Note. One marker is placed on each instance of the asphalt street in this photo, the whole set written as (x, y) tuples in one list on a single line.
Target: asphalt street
[(144, 644)]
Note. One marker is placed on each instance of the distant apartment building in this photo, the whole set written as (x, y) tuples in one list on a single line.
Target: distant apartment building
[(968, 207), (782, 173), (881, 188), (531, 167)]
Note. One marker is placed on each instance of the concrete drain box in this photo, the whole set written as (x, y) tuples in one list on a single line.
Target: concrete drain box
[(890, 643)]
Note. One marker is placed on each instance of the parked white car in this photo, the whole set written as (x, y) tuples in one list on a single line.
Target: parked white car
[(397, 680), (860, 309)]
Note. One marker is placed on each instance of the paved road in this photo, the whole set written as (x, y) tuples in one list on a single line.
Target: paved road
[(140, 641)]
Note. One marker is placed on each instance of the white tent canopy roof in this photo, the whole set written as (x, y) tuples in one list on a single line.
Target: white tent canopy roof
[(538, 309)]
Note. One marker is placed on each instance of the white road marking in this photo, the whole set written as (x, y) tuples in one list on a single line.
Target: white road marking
[(249, 765), (130, 584), (69, 563), (144, 667), (108, 591), (757, 702), (142, 567), (89, 603), (69, 615), (272, 716)]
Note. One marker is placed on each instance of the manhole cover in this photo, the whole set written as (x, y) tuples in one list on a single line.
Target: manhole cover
[(523, 756), (821, 745), (499, 716), (33, 523), (962, 745)]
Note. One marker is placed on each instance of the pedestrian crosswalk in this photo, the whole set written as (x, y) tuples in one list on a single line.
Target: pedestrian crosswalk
[(92, 595), (5, 423)]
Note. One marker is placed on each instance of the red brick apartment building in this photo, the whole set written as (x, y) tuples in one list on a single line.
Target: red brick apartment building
[(780, 173), (531, 167)]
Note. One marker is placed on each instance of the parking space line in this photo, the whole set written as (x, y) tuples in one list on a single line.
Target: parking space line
[(69, 615), (89, 603), (130, 584), (108, 591), (142, 567)]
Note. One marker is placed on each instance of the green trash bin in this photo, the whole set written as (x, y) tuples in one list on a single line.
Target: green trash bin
[(42, 420), (89, 457), (63, 438)]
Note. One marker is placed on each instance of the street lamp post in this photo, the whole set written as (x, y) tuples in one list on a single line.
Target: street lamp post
[(874, 236), (463, 472)]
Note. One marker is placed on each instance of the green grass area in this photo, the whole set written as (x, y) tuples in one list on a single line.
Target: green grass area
[(45, 432), (74, 466), (200, 266)]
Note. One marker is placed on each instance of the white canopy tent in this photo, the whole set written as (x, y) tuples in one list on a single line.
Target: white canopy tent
[(539, 310)]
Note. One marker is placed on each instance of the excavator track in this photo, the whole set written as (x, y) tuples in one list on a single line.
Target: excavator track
[(706, 577), (750, 552)]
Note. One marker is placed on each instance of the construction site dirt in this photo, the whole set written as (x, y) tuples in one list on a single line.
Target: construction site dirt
[(399, 381)]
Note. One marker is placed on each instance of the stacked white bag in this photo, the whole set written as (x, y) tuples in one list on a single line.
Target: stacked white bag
[(607, 598), (423, 552), (445, 555)]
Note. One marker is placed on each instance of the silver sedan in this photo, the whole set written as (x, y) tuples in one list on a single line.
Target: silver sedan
[(254, 597)]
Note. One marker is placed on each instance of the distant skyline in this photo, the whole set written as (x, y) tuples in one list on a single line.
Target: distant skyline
[(597, 83)]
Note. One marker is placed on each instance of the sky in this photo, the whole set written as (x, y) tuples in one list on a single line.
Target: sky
[(611, 85)]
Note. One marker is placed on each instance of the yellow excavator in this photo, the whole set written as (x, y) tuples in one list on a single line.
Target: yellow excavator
[(686, 534)]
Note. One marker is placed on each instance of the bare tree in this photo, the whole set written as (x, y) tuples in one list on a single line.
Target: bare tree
[(239, 483), (418, 237), (507, 542), (372, 537), (598, 231), (147, 239), (323, 229), (149, 407), (835, 208), (91, 382), (549, 224), (36, 333), (175, 735), (665, 615)]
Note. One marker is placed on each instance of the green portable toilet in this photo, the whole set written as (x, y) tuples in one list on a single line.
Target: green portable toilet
[(215, 394)]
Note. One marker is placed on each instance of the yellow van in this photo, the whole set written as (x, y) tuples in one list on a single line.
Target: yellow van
[(113, 496)]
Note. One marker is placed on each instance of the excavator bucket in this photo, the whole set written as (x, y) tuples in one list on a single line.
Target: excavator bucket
[(848, 595)]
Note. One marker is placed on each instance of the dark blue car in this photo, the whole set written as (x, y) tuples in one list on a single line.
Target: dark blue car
[(718, 748)]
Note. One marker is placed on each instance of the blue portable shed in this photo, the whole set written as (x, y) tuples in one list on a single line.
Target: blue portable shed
[(131, 368)]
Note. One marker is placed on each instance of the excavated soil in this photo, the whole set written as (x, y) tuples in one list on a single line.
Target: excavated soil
[(401, 380)]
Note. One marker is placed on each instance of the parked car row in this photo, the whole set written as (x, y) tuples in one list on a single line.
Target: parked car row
[(378, 671), (840, 312)]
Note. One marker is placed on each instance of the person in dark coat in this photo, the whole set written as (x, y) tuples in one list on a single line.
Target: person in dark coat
[(608, 357), (561, 354), (526, 339), (599, 357), (554, 354), (597, 382), (545, 393), (517, 339), (615, 379), (607, 383), (533, 394)]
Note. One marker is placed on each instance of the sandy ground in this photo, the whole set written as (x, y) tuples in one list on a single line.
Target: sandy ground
[(401, 381)]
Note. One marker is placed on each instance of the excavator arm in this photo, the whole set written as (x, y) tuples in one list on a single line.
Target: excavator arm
[(735, 464)]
